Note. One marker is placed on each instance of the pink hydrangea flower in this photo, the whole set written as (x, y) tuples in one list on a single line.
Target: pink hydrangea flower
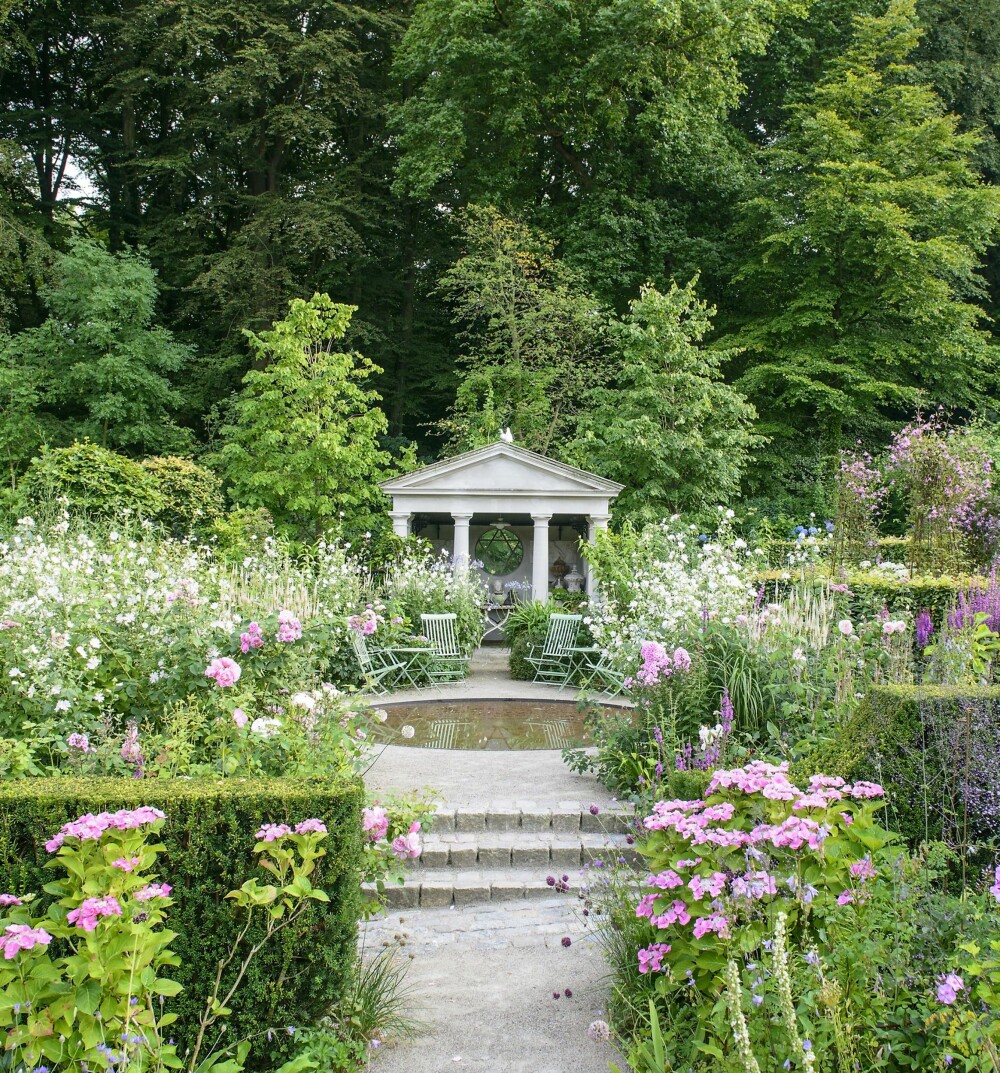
[(289, 627), (18, 937), (406, 846), (225, 671), (87, 915), (126, 864), (995, 889), (91, 828), (716, 922), (651, 957), (847, 898), (272, 832), (375, 821), (153, 890), (310, 827), (863, 869), (9, 899)]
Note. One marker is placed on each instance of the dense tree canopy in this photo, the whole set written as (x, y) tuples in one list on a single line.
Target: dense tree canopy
[(826, 168)]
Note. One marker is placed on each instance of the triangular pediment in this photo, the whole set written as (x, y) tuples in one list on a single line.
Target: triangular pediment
[(502, 468)]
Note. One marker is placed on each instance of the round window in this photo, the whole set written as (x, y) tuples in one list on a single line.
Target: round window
[(500, 551)]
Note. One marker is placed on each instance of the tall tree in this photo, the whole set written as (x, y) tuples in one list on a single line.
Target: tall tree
[(601, 122), (531, 338), (302, 435), (668, 427), (865, 240), (103, 368)]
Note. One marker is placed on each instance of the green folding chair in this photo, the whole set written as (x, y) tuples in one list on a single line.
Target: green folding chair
[(376, 665), (448, 662), (553, 660)]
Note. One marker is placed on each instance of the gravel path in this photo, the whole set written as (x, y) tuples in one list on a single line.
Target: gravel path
[(482, 981)]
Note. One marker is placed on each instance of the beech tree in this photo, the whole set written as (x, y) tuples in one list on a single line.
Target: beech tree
[(668, 427), (865, 239), (302, 438)]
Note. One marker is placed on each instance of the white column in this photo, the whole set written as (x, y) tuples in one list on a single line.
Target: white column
[(540, 557), (461, 545), (401, 523), (595, 522)]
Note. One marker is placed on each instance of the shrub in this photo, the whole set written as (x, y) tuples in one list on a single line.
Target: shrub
[(242, 532), (91, 480), (192, 495), (208, 851), (935, 751)]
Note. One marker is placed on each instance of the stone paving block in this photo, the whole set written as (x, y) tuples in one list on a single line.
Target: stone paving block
[(434, 854), (507, 890), (443, 819), (618, 822), (494, 855), (433, 894), (537, 820), (503, 805), (593, 824), (463, 854), (566, 854), (405, 897), (470, 819), (529, 855), (505, 819), (470, 892), (565, 820)]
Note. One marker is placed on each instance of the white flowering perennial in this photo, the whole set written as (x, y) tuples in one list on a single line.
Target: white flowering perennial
[(664, 580)]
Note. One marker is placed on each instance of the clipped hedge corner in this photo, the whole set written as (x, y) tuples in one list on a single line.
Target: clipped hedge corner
[(934, 750), (208, 841)]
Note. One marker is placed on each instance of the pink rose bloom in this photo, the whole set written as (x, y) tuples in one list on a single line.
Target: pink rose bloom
[(406, 846), (153, 890), (87, 915), (846, 627), (240, 717), (9, 899), (17, 937), (375, 821), (271, 832), (310, 827), (289, 627), (252, 638), (415, 828), (225, 671)]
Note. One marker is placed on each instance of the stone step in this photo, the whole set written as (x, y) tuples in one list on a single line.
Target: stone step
[(474, 886), (564, 817), (519, 848)]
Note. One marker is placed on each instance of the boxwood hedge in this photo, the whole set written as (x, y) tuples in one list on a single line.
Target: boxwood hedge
[(208, 840)]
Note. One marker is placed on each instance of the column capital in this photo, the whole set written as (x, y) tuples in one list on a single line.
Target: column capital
[(458, 516), (599, 519), (540, 519)]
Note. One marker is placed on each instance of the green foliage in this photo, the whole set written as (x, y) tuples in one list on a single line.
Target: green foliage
[(667, 426), (91, 480), (207, 850), (241, 531), (192, 495), (532, 339), (865, 233), (933, 749), (302, 436), (103, 368)]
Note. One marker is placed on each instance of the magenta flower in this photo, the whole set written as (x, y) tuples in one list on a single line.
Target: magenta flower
[(406, 846), (240, 717), (289, 627), (651, 957), (17, 937), (272, 832), (310, 827), (252, 638), (225, 671), (9, 899), (79, 741), (375, 821), (948, 988), (87, 915), (153, 890), (995, 889), (126, 864)]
